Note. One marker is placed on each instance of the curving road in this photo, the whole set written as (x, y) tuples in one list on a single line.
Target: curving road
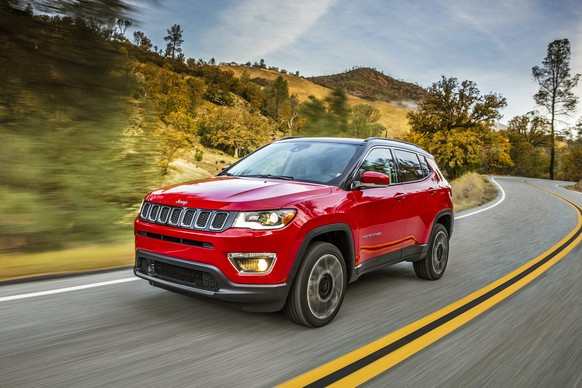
[(128, 333)]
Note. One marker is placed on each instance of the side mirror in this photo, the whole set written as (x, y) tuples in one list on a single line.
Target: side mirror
[(373, 179)]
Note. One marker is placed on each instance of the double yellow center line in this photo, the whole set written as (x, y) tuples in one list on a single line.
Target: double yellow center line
[(365, 363)]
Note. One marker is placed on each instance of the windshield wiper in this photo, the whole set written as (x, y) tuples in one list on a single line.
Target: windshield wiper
[(285, 177)]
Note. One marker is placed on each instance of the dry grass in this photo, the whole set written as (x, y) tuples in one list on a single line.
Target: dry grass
[(472, 190), (88, 258), (302, 87), (393, 115)]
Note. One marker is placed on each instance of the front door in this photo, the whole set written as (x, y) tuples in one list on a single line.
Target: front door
[(381, 213)]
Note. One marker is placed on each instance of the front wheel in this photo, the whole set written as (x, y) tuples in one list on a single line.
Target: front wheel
[(434, 264), (318, 291)]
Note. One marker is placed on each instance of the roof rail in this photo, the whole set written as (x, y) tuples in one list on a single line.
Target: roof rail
[(376, 138), (394, 140)]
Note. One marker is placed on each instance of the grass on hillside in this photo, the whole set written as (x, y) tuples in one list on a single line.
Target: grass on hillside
[(393, 116), (468, 191)]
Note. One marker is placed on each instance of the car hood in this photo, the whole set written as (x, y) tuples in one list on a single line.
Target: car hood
[(236, 193)]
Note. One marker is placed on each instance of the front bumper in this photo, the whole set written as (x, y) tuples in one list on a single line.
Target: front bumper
[(207, 280)]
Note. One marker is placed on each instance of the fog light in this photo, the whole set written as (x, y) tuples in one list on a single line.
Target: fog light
[(259, 263)]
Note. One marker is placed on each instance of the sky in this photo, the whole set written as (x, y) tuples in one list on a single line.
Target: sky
[(494, 43)]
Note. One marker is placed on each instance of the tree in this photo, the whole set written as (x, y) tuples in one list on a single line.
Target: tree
[(556, 84), (233, 130), (220, 85), (122, 26), (292, 119), (174, 39), (327, 117), (251, 92), (577, 131), (528, 136), (454, 123), (142, 41), (534, 129), (318, 121), (571, 167), (277, 101), (364, 121), (339, 109), (450, 105), (496, 152)]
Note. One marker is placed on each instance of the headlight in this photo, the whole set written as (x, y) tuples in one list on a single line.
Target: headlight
[(259, 263), (269, 219)]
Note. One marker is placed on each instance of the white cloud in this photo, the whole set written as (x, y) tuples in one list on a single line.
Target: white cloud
[(254, 28)]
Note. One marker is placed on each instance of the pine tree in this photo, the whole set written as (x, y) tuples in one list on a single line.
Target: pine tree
[(174, 39), (556, 86)]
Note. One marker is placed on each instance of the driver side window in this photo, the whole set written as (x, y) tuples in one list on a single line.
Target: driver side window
[(379, 160)]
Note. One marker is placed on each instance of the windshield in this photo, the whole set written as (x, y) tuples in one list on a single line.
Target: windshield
[(317, 162)]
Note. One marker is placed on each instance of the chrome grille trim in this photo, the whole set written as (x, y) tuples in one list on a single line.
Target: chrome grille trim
[(218, 220), (202, 219), (175, 216), (186, 218), (154, 211), (164, 213), (145, 209)]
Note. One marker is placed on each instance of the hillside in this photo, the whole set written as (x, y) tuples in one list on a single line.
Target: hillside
[(370, 84), (393, 111)]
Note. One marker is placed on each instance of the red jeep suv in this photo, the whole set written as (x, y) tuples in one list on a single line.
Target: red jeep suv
[(291, 224)]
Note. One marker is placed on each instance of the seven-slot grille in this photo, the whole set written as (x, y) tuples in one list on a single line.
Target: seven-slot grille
[(183, 217)]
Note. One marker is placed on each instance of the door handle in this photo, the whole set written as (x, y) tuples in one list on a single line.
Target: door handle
[(399, 196), (431, 190)]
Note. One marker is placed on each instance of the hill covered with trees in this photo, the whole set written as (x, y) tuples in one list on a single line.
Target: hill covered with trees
[(370, 84)]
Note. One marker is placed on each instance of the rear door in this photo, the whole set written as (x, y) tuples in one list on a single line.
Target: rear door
[(420, 184)]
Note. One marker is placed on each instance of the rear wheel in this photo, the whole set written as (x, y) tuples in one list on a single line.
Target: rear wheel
[(318, 291), (434, 264)]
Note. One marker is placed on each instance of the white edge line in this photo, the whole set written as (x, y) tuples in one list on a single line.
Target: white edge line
[(489, 207), (67, 289)]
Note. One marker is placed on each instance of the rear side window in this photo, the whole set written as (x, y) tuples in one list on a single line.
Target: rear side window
[(425, 166), (410, 166)]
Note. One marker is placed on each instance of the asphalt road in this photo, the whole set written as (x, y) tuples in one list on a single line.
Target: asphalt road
[(131, 334)]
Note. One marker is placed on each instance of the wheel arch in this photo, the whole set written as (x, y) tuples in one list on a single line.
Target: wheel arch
[(446, 219), (338, 234)]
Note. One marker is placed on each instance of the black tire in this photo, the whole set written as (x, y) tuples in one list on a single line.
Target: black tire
[(433, 266), (319, 288)]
